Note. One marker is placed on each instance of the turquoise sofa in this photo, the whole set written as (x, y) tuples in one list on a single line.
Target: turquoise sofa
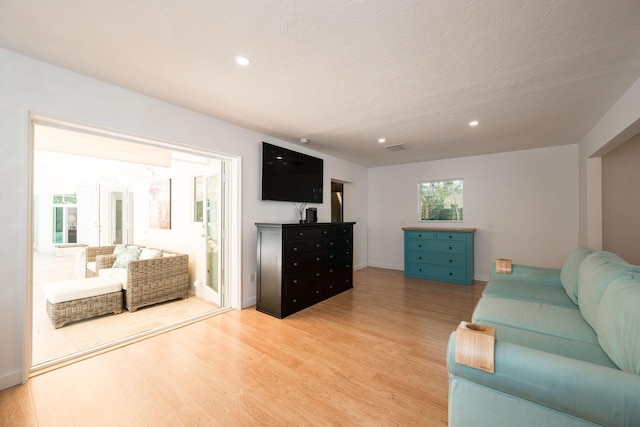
[(567, 348)]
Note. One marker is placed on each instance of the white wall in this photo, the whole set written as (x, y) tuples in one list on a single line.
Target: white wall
[(617, 126), (27, 85), (531, 198)]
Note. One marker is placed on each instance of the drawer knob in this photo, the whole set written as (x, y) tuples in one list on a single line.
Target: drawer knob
[(450, 248), (450, 236), (295, 264), (301, 233), (419, 235), (318, 245), (419, 257), (330, 286), (330, 271), (294, 300), (330, 243), (421, 246), (317, 292), (419, 269), (295, 249), (295, 280), (450, 274), (317, 258), (317, 274), (450, 260)]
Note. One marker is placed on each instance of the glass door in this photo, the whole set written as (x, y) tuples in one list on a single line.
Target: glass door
[(114, 225), (211, 211)]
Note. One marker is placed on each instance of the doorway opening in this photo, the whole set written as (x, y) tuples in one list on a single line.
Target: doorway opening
[(92, 189), (337, 201)]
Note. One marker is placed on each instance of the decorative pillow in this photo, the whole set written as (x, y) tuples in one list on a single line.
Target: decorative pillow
[(618, 321), (120, 248), (150, 253), (596, 272), (569, 272), (123, 259)]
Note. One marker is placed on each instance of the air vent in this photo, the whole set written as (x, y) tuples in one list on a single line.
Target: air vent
[(397, 147)]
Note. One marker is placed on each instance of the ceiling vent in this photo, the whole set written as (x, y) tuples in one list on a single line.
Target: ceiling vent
[(397, 147)]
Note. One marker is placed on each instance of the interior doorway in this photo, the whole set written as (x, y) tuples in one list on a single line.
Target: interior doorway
[(337, 201), (98, 183)]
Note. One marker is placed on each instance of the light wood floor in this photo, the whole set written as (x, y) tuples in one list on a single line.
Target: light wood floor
[(374, 355)]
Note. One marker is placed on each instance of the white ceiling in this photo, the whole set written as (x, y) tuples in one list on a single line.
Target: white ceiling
[(66, 161), (343, 73)]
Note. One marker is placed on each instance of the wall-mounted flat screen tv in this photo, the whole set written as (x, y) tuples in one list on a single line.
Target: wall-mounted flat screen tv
[(290, 176)]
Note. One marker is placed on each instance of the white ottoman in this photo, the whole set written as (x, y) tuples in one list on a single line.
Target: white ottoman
[(72, 300)]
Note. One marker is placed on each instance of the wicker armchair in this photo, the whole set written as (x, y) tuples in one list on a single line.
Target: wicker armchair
[(91, 253), (152, 281)]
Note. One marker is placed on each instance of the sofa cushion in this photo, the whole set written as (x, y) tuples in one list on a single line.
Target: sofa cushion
[(148, 253), (528, 292), (618, 322), (587, 352), (596, 272), (123, 259), (118, 274), (69, 290), (120, 248), (546, 319), (569, 272)]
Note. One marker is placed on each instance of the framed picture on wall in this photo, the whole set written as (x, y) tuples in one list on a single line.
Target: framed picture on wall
[(160, 204)]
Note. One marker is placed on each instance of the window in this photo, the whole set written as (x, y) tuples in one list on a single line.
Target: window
[(441, 200), (65, 218)]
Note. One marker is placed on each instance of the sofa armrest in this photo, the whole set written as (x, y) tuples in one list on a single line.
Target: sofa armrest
[(105, 261), (535, 275), (599, 394)]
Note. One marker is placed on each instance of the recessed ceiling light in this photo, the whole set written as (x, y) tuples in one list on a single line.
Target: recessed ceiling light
[(242, 61), (382, 140), (474, 123)]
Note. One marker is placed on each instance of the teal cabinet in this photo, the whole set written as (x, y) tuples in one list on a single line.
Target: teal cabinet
[(439, 254)]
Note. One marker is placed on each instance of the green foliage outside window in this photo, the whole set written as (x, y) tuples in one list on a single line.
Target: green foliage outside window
[(441, 200)]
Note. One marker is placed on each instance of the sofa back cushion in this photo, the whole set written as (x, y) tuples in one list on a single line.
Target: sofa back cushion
[(618, 321), (596, 272), (123, 259), (569, 272)]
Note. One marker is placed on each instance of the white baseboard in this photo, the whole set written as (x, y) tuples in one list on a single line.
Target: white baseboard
[(387, 266), (10, 380), (249, 302)]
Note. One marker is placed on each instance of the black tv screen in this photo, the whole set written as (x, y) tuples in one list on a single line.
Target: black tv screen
[(290, 176)]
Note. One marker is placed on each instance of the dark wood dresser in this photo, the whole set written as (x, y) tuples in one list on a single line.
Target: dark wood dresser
[(302, 264)]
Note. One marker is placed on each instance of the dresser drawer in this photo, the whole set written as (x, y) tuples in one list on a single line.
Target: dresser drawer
[(302, 246), (435, 272), (454, 247), (421, 235), (437, 258), (337, 242), (301, 298), (451, 236), (296, 262), (339, 256), (301, 233)]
